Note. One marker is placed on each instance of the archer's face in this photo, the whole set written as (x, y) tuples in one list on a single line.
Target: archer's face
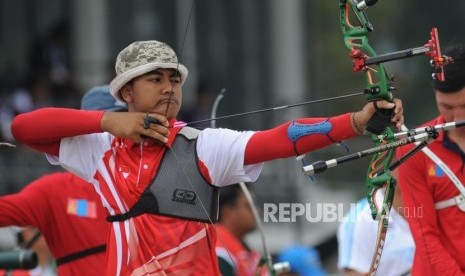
[(244, 213), (156, 92), (452, 107)]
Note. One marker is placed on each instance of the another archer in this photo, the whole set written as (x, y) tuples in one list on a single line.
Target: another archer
[(158, 180), (438, 233), (236, 221)]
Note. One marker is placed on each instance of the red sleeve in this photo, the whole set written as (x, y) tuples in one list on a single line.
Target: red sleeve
[(43, 129), (275, 143), (430, 255), (28, 207)]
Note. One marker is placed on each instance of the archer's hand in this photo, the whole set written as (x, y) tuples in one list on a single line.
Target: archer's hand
[(131, 125), (361, 118)]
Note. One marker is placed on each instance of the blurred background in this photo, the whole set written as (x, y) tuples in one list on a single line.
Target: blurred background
[(263, 52)]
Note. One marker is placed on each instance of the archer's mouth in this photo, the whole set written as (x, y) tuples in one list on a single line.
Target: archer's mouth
[(169, 101)]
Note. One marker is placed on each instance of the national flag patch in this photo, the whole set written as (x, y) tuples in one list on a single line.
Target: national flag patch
[(82, 208), (125, 171), (436, 171)]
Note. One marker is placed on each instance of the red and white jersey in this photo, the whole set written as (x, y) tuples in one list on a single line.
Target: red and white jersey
[(121, 170), (437, 232)]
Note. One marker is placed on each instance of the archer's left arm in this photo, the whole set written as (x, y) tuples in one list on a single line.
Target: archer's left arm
[(308, 134)]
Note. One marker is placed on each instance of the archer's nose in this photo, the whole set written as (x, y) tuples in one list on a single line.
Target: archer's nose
[(167, 87), (459, 114)]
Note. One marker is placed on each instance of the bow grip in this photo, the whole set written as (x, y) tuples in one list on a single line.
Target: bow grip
[(380, 120)]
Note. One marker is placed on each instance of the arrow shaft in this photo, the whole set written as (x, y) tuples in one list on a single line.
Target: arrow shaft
[(438, 127)]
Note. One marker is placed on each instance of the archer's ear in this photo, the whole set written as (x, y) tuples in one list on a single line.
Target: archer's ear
[(126, 93)]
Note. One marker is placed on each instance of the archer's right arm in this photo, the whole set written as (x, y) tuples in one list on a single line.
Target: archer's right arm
[(43, 129)]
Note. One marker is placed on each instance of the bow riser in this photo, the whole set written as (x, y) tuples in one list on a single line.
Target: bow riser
[(378, 88)]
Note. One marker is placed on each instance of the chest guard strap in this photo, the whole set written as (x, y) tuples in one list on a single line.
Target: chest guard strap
[(170, 193)]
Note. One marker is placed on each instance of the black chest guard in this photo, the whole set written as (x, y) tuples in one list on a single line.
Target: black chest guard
[(178, 189)]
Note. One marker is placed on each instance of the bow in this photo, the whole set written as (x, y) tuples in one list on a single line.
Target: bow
[(356, 41), (380, 87)]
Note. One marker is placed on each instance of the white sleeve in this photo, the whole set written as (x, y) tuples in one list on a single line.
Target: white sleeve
[(356, 239), (82, 154), (222, 151)]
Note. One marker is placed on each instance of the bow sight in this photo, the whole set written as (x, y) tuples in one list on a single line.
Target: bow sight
[(430, 49)]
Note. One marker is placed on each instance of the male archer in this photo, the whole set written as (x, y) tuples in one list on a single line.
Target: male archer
[(158, 180), (437, 230)]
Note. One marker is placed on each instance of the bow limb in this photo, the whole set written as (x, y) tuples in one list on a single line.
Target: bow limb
[(215, 107), (378, 88), (266, 252)]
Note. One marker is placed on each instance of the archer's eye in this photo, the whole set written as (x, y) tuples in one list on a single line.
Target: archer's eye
[(176, 80), (448, 107), (155, 79)]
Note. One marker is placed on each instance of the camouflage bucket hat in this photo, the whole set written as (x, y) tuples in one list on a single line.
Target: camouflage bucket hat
[(140, 58)]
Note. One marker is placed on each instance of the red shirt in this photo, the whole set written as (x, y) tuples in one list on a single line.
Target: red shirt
[(438, 234), (69, 215)]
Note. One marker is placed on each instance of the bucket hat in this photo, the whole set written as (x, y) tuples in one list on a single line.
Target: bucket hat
[(140, 58)]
